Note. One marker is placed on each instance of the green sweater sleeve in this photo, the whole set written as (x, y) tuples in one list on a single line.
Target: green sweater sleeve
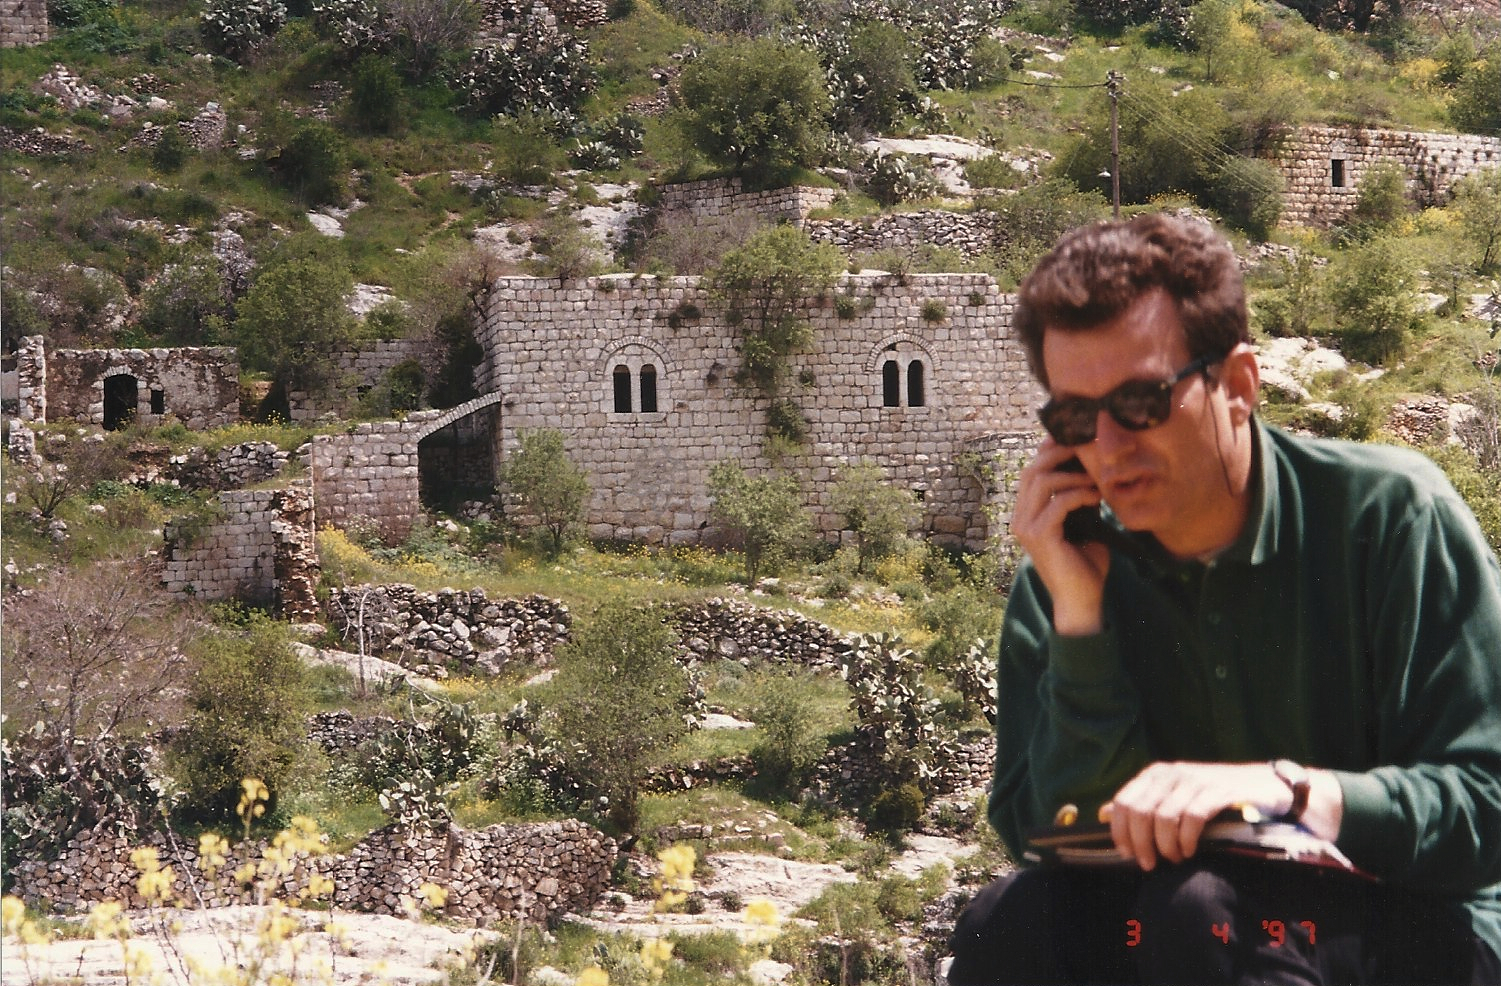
[(1069, 730), (1430, 816)]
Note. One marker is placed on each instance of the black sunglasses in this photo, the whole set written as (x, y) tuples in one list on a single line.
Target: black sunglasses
[(1135, 405)]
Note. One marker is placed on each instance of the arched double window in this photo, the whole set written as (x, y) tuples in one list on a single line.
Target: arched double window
[(635, 391), (892, 371)]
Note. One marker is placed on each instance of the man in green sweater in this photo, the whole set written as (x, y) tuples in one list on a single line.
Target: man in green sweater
[(1309, 627)]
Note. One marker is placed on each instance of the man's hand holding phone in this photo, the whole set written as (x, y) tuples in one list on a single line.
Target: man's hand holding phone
[(1054, 485)]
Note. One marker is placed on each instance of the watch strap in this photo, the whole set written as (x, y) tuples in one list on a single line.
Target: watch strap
[(1295, 776)]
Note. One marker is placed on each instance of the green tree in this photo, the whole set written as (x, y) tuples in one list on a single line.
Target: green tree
[(763, 282), (249, 702), (547, 484), (1477, 204), (1380, 201), (758, 107), (877, 513), (1211, 24), (1374, 296), (878, 71), (622, 700), (293, 320), (765, 512)]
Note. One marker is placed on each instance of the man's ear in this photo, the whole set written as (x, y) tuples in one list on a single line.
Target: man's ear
[(1241, 377)]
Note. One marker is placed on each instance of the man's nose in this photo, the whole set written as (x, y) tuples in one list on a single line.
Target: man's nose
[(1110, 438)]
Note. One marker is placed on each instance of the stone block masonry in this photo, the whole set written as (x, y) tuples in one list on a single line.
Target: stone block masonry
[(23, 22), (639, 374), (113, 387), (258, 547), (1323, 167)]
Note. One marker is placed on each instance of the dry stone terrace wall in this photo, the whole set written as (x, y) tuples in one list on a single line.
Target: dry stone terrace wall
[(257, 547), (1322, 167), (538, 871), (458, 629), (553, 351)]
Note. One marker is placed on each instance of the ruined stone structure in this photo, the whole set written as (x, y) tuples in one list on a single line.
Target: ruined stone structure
[(639, 374), (376, 472), (1323, 167), (356, 372), (258, 547), (23, 22), (115, 387)]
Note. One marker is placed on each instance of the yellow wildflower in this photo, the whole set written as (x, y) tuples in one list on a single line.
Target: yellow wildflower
[(676, 881), (144, 859), (107, 920), (433, 895), (253, 799), (155, 885), (319, 885), (34, 934), (13, 912), (213, 850), (593, 976), (655, 954), (762, 912)]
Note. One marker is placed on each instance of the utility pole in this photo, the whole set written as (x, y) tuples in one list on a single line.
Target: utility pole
[(1113, 80)]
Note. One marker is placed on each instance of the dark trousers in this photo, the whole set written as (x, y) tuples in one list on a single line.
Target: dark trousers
[(1224, 920)]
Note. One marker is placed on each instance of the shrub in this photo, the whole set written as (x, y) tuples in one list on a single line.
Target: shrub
[(525, 152), (537, 69), (765, 513), (314, 163), (188, 302), (877, 513), (621, 701), (791, 735), (894, 178), (1374, 301), (895, 810), (375, 95), (992, 171), (1248, 194), (757, 107), (1474, 107), (248, 700), (171, 150), (293, 319), (547, 484), (1380, 201)]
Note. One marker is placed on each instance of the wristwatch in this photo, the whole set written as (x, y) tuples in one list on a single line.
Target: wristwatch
[(1295, 776)]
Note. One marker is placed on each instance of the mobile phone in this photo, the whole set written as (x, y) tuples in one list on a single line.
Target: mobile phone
[(1084, 524)]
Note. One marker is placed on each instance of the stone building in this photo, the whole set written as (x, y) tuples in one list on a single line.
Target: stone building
[(114, 387), (917, 374), (1322, 167)]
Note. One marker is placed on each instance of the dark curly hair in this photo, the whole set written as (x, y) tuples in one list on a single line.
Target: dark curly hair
[(1096, 272)]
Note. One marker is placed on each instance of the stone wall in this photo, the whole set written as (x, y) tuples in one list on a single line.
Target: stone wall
[(718, 203), (23, 22), (539, 871), (1322, 167), (31, 379), (110, 387), (969, 233), (258, 546), (355, 372), (448, 629), (553, 352)]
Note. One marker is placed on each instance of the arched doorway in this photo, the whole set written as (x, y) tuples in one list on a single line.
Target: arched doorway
[(458, 461), (121, 400)]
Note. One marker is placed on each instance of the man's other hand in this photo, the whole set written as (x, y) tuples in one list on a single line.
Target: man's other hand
[(1161, 812)]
